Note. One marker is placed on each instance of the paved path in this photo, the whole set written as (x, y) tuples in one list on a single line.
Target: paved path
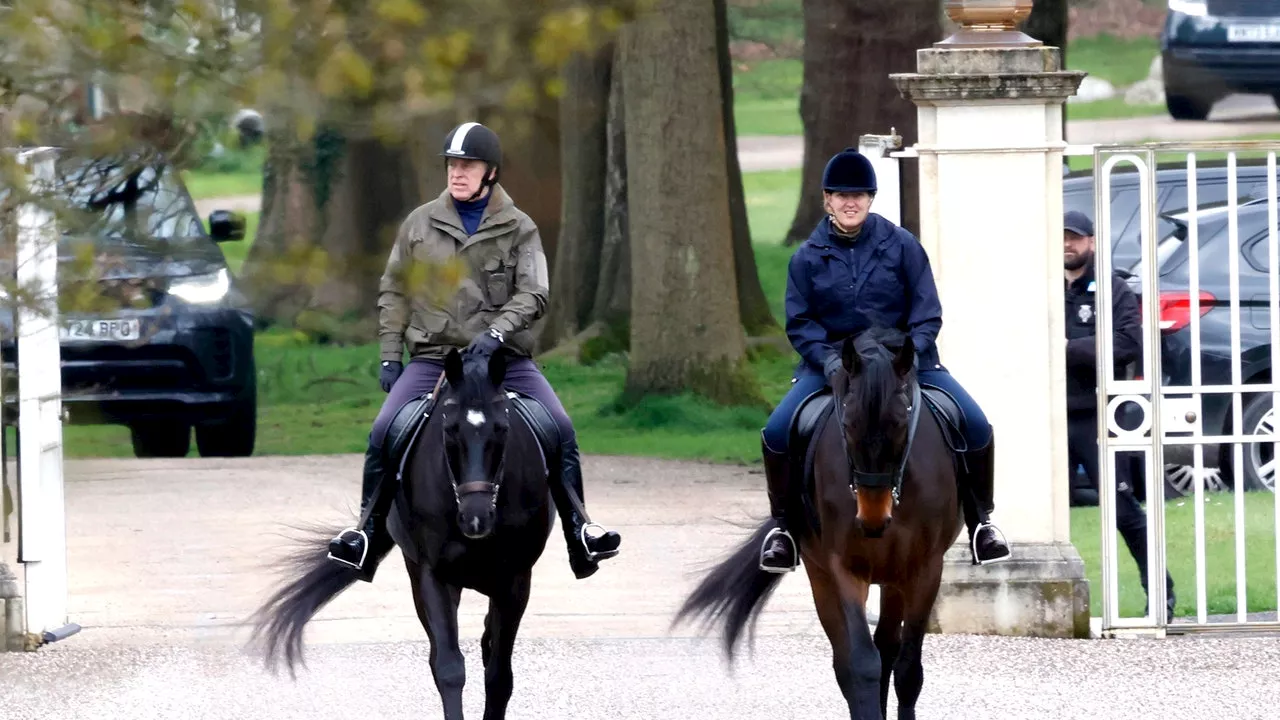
[(1235, 116), (167, 557)]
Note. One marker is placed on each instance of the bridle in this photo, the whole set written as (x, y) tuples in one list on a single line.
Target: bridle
[(881, 480), (493, 487)]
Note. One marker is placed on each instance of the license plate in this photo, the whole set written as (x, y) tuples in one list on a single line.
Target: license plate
[(101, 330), (1253, 33)]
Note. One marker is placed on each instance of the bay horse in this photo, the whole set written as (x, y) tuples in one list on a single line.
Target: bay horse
[(474, 510), (880, 505)]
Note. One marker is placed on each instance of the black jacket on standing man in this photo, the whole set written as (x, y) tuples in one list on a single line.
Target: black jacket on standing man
[(1126, 325)]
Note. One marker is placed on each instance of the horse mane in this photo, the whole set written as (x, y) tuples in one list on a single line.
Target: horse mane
[(877, 383)]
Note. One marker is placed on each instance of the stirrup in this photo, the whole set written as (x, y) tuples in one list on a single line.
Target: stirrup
[(795, 552), (364, 553), (973, 545), (591, 555)]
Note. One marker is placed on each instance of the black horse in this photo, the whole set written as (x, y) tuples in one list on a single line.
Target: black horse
[(475, 511), (880, 506)]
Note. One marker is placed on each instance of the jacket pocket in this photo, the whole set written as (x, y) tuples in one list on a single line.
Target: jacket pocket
[(497, 281), (429, 325)]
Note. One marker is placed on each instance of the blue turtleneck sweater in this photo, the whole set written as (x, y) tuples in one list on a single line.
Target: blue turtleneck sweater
[(471, 212)]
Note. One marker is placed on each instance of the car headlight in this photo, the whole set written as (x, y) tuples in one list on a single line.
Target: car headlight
[(1198, 8), (202, 289)]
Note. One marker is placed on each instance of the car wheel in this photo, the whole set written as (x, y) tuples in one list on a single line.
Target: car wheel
[(1259, 418), (232, 436), (1187, 107), (1259, 470), (167, 440), (1180, 480)]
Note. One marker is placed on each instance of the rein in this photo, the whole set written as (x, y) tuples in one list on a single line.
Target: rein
[(883, 479)]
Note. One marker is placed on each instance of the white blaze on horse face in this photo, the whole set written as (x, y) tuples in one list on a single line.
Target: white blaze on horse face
[(475, 417)]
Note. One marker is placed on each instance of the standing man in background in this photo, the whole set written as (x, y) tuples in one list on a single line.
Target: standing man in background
[(1082, 378)]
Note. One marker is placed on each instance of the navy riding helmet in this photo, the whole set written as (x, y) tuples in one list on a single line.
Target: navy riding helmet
[(474, 141), (849, 171)]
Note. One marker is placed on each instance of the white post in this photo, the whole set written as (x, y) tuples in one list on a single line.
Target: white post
[(877, 148), (42, 522), (990, 148)]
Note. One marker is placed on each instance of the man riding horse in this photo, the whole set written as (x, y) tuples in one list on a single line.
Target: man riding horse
[(502, 292), (855, 271)]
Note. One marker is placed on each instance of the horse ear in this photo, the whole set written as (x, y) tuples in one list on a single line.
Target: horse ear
[(497, 368), (453, 368), (850, 357), (906, 357)]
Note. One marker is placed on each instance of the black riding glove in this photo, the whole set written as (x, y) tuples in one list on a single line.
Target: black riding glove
[(484, 344), (391, 370)]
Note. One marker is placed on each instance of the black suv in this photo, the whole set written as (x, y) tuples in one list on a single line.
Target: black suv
[(1215, 326), (1215, 329), (1212, 48), (155, 333)]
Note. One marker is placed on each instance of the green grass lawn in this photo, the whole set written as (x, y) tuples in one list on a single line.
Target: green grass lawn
[(1220, 556), (767, 92), (205, 184)]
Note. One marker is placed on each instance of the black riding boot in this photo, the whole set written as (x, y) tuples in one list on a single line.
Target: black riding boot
[(977, 493), (585, 551), (352, 546), (778, 554)]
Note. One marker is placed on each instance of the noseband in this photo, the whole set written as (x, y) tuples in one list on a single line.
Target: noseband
[(881, 480)]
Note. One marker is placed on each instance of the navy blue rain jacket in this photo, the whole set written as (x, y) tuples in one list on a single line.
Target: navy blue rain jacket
[(892, 286)]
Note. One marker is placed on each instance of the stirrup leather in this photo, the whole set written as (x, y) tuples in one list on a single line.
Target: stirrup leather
[(973, 545), (795, 552), (591, 555), (364, 553)]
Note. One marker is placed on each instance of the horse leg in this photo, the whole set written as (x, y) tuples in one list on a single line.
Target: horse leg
[(500, 627), (437, 605), (888, 639), (909, 672), (840, 599)]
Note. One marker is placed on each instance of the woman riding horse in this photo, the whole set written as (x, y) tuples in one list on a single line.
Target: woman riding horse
[(859, 270), (502, 294)]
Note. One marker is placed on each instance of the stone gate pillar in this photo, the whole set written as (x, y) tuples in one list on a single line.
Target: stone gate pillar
[(990, 150)]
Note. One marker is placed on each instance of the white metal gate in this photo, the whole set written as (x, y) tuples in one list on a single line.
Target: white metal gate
[(1195, 357)]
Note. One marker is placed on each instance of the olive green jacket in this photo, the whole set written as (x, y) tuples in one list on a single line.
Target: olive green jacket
[(441, 288)]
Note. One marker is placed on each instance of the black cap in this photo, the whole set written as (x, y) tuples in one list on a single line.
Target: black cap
[(1077, 222)]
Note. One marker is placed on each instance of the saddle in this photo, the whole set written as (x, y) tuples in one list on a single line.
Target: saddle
[(815, 409), (403, 431), (412, 416)]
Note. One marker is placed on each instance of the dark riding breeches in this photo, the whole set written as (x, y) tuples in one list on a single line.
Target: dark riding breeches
[(419, 377)]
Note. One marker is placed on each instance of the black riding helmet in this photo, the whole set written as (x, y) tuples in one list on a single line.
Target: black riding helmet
[(849, 171), (474, 141)]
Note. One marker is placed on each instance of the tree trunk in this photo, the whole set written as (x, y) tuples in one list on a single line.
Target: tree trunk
[(837, 104), (686, 331), (331, 207), (611, 307), (584, 140), (757, 318)]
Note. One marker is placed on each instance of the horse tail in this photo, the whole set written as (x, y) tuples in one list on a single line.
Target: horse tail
[(734, 592), (278, 624)]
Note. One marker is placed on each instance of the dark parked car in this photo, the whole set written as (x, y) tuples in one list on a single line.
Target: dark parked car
[(1216, 356), (155, 333), (1171, 203), (1213, 48)]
